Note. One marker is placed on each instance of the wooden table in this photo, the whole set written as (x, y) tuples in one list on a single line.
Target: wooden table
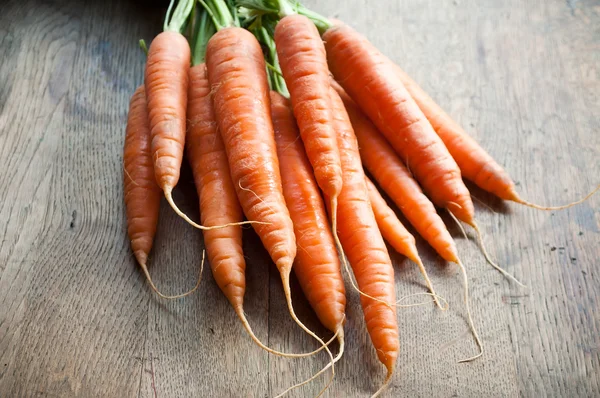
[(78, 319)]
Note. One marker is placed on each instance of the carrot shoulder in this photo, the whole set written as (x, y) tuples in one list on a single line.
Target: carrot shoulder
[(371, 81)]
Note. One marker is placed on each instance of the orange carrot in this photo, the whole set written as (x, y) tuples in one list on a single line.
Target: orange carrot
[(371, 81), (237, 74), (166, 80), (394, 178), (303, 64), (396, 234), (218, 200), (317, 265), (141, 193), (474, 162), (364, 245), (304, 67)]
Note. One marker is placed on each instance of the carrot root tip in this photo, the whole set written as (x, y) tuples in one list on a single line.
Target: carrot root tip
[(568, 205), (469, 317), (285, 279), (167, 297), (340, 337)]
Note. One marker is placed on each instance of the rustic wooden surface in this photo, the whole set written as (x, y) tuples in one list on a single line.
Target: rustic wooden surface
[(78, 319)]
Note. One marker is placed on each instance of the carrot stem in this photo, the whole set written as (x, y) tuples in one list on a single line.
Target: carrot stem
[(143, 46), (203, 31), (265, 37), (177, 21), (220, 13)]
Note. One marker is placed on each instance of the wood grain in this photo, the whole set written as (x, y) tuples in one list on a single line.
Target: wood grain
[(77, 318)]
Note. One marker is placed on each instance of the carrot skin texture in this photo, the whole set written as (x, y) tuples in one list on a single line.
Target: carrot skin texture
[(304, 67), (393, 177), (218, 201), (237, 75), (391, 228), (142, 194), (371, 81), (317, 265), (166, 81), (364, 245), (475, 163)]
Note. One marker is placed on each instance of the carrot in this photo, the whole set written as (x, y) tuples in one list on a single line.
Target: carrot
[(237, 74), (304, 66), (392, 175), (303, 63), (218, 200), (166, 81), (394, 178), (317, 265), (396, 181), (396, 234), (364, 246), (141, 193), (370, 80), (474, 162)]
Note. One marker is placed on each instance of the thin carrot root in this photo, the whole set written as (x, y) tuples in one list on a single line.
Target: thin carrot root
[(285, 279), (340, 337), (386, 383), (586, 197), (470, 319), (169, 196), (436, 298), (489, 260), (164, 296), (419, 263), (246, 324)]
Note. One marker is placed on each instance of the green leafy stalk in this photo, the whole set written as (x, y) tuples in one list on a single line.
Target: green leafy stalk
[(177, 21), (254, 9), (322, 23), (202, 33), (143, 46), (276, 80), (220, 13)]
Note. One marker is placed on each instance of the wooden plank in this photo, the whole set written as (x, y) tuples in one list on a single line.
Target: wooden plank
[(77, 318)]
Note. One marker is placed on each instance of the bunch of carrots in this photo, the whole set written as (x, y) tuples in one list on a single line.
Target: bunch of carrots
[(280, 112)]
